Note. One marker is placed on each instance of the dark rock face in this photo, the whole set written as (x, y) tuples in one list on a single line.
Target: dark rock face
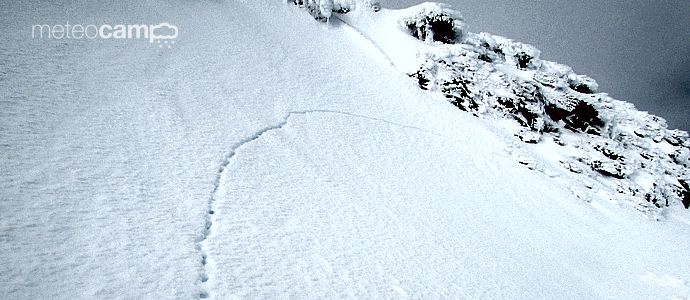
[(439, 28), (582, 88), (685, 193), (584, 118), (523, 60), (435, 24), (459, 92)]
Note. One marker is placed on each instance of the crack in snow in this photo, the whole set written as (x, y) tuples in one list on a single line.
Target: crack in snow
[(367, 39), (210, 212)]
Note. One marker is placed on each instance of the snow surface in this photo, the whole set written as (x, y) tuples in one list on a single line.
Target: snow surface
[(268, 155), (603, 139)]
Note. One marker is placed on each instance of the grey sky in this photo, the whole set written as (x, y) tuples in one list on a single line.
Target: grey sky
[(637, 50)]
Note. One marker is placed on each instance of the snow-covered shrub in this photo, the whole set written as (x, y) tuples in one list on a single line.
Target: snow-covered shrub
[(319, 9), (343, 6), (316, 8), (326, 8), (434, 22), (322, 9)]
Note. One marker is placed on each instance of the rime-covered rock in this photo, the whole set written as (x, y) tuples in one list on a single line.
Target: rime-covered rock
[(435, 23), (633, 152), (605, 145), (321, 10)]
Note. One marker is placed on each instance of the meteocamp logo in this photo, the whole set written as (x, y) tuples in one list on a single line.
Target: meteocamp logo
[(162, 34)]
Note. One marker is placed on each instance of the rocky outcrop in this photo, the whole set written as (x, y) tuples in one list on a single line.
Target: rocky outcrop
[(435, 24), (488, 75), (605, 145)]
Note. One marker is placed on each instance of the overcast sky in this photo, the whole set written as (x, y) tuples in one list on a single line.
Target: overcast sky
[(637, 50)]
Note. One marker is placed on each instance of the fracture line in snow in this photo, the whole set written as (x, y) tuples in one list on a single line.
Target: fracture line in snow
[(208, 217), (368, 40)]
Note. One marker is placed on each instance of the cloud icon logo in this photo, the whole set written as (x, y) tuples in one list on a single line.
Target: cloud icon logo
[(163, 32)]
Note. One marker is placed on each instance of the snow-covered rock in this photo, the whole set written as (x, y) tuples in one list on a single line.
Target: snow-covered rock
[(496, 77), (322, 9), (435, 23), (492, 75)]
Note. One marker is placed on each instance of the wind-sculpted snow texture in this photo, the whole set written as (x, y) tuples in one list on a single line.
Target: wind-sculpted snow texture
[(631, 155), (269, 155)]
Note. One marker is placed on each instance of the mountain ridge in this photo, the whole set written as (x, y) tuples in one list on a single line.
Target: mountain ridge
[(632, 154)]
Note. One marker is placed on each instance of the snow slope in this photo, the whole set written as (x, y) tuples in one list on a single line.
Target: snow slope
[(268, 155), (579, 132)]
